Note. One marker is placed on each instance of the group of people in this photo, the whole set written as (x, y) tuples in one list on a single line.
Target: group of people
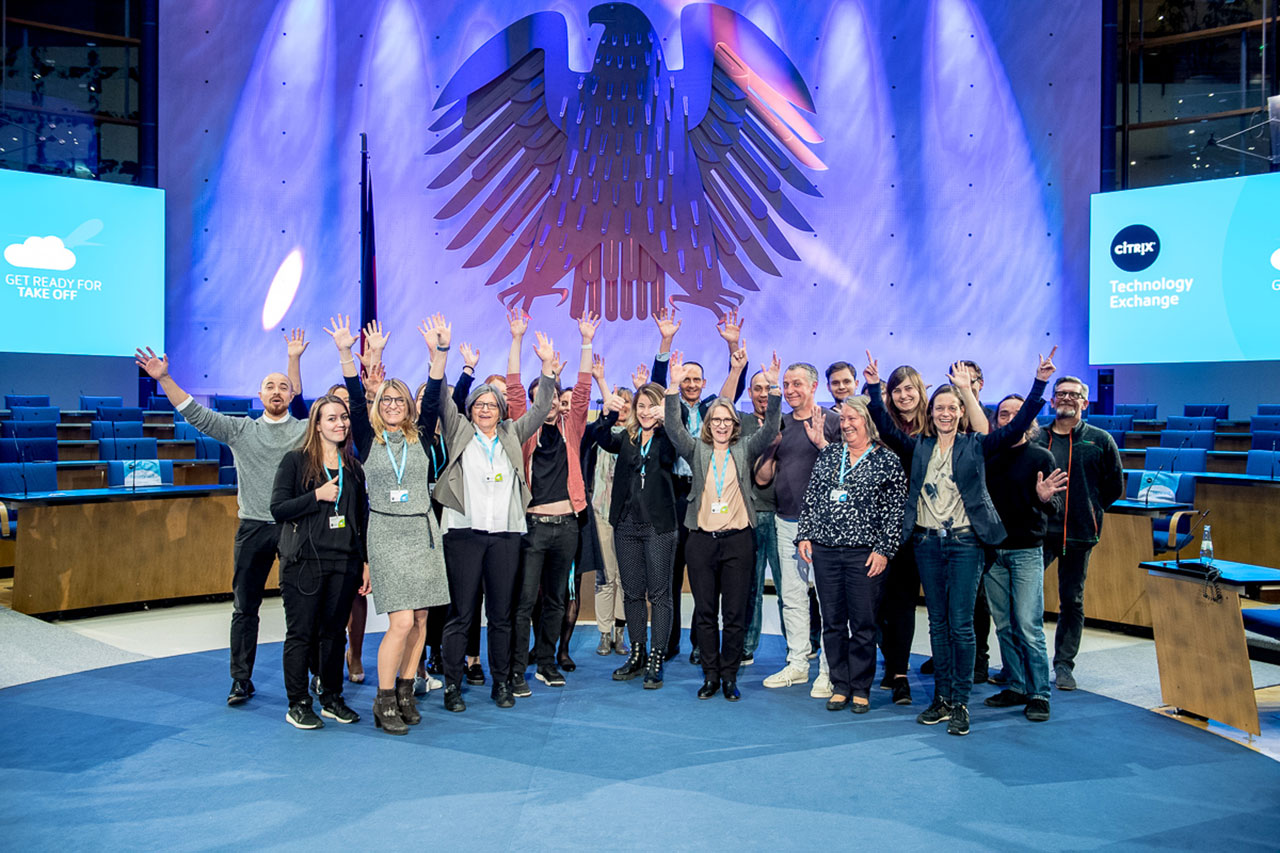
[(447, 500)]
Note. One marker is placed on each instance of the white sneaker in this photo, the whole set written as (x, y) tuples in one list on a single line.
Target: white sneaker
[(788, 676), (821, 687)]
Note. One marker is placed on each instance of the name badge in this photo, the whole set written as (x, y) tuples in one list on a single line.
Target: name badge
[(839, 496), (399, 496), (493, 478), (337, 522), (719, 507)]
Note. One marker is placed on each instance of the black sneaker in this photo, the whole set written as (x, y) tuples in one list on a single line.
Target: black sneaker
[(1065, 677), (939, 711), (435, 666), (475, 674), (901, 691), (241, 690), (1006, 699), (520, 687), (502, 696), (747, 659), (453, 699), (1037, 710), (549, 676), (959, 723), (336, 709), (886, 683), (302, 716)]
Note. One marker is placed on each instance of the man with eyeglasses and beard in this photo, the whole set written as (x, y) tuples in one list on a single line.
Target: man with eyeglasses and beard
[(1095, 481)]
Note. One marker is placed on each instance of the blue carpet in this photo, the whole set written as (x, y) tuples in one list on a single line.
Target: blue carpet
[(145, 755)]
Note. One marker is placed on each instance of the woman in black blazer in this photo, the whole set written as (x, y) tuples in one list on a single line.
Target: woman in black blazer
[(643, 515), (319, 499)]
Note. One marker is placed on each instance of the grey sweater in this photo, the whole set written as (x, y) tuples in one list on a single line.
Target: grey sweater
[(257, 445)]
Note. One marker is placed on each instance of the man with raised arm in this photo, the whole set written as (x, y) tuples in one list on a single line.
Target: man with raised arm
[(258, 446)]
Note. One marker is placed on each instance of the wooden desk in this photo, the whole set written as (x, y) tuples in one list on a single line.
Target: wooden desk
[(1200, 642), (95, 547), (92, 473), (1114, 590)]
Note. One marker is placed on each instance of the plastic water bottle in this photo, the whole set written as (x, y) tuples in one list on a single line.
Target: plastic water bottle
[(1206, 546)]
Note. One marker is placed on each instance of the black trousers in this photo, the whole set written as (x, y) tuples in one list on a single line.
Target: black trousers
[(981, 629), (1073, 567), (255, 553), (436, 617), (682, 485), (897, 615), (721, 569), (546, 557), (850, 600), (473, 558), (644, 567), (317, 604)]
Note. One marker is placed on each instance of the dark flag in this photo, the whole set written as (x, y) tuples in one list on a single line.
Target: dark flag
[(368, 264)]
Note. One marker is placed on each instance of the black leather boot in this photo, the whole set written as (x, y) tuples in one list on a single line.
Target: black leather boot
[(653, 673), (386, 714), (634, 666), (406, 703)]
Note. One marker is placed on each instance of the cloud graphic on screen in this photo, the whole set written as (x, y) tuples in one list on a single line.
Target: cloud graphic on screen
[(1275, 259), (41, 253)]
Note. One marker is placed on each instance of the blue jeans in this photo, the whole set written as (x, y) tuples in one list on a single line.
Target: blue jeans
[(950, 569), (1015, 592), (766, 553)]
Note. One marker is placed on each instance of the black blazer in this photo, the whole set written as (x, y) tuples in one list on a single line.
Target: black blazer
[(302, 517), (659, 495)]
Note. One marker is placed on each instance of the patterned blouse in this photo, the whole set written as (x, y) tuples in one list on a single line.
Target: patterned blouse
[(864, 510)]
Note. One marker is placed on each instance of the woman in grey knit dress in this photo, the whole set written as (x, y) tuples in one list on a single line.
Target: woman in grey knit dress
[(406, 555)]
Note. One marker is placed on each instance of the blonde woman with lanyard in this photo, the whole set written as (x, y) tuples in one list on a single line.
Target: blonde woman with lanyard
[(721, 549), (406, 557), (485, 495)]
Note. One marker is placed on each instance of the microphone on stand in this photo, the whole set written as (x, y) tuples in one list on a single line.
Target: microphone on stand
[(1273, 458), (135, 467), (22, 470)]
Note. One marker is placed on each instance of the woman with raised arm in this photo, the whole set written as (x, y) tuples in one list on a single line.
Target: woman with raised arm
[(485, 495), (406, 556), (318, 499), (949, 517), (642, 511), (721, 514), (850, 528)]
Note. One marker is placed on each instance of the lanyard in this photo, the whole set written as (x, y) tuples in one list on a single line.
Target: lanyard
[(644, 458), (718, 473), (695, 420), (844, 460), (398, 470), (437, 464), (489, 447), (337, 501)]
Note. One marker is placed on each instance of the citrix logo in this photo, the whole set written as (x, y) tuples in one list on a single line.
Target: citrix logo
[(1135, 248)]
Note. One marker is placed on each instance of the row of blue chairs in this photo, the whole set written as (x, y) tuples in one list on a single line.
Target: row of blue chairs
[(46, 449), (1216, 411), (227, 404)]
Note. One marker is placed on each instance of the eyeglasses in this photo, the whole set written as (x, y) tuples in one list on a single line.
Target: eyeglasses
[(393, 402), (1068, 395), (485, 404), (719, 421)]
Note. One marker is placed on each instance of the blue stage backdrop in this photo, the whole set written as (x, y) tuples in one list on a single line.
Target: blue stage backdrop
[(909, 176)]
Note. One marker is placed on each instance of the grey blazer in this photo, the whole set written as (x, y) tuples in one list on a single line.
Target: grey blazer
[(698, 454), (458, 432)]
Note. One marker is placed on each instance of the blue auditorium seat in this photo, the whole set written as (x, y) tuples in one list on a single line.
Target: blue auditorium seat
[(120, 413), (1265, 440), (115, 429), (1184, 490), (1206, 410), (29, 450), (1187, 439), (159, 403), (1117, 435), (1270, 423), (11, 400), (227, 475), (128, 448), (208, 449), (185, 432), (1180, 422), (1269, 408), (1044, 420), (35, 413), (118, 470), (1262, 463), (1138, 411), (29, 429), (1192, 460), (90, 404), (1110, 423), (1262, 620), (230, 405), (23, 479)]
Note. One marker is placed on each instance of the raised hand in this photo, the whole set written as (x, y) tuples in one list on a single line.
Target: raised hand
[(871, 373), (730, 327), (614, 403), (470, 355), (156, 366), (667, 324), (341, 332), (772, 370), (640, 376), (813, 428), (597, 368), (587, 325), (518, 321), (545, 350), (1047, 367), (676, 370), (374, 337), (297, 343), (960, 376), (376, 375), (328, 492), (738, 359), (444, 330), (1047, 487), (561, 364)]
